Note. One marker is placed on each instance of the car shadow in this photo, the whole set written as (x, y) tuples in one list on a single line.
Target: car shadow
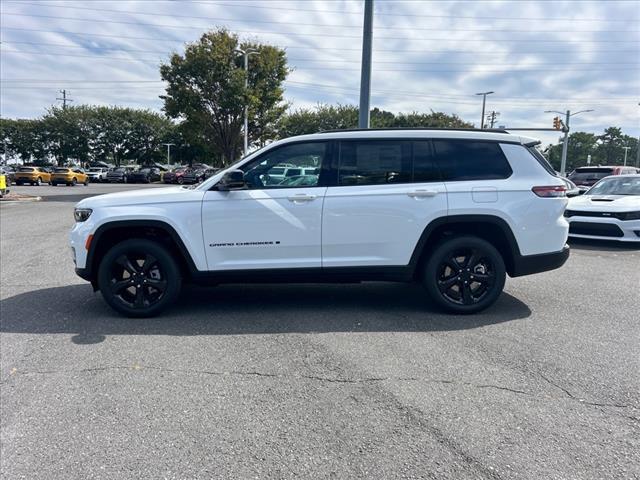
[(248, 309), (602, 245)]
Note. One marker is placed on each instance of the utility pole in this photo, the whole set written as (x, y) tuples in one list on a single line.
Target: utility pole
[(565, 140), (493, 118), (169, 145), (638, 151), (245, 54), (626, 149), (484, 101), (365, 74), (64, 99)]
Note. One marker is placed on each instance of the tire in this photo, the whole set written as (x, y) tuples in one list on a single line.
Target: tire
[(180, 180), (120, 269), (38, 182), (464, 275), (86, 182), (54, 184), (74, 182)]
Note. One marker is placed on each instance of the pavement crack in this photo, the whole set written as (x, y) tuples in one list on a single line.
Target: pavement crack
[(582, 400)]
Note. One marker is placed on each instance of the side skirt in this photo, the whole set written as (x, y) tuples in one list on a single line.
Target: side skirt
[(306, 275)]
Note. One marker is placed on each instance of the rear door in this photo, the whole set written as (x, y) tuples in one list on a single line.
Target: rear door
[(385, 192), (476, 174)]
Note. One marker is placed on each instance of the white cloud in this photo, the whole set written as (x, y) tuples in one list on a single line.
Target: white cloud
[(427, 55)]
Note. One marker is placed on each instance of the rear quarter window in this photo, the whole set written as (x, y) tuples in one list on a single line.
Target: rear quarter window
[(470, 160)]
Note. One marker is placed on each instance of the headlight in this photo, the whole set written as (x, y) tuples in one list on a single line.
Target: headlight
[(82, 214), (629, 215)]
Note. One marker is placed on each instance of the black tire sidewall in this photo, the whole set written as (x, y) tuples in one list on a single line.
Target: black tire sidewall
[(445, 249), (167, 264)]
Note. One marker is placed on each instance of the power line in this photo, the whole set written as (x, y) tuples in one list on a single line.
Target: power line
[(379, 27), (191, 27), (384, 14), (305, 60), (455, 99), (339, 49), (64, 32)]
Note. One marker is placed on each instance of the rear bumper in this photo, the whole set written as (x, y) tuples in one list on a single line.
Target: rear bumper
[(84, 273), (528, 264)]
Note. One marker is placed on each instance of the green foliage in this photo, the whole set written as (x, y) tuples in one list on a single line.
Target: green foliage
[(330, 117), (206, 89), (605, 149), (87, 133)]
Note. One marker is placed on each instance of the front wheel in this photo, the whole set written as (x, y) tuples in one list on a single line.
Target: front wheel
[(38, 181), (86, 182), (139, 278), (464, 275)]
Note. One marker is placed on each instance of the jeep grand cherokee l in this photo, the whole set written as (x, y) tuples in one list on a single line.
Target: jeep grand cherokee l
[(453, 210)]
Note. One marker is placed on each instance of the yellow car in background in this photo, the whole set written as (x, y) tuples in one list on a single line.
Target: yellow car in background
[(32, 175), (69, 176)]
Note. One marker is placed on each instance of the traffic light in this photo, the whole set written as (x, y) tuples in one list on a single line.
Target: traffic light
[(557, 124)]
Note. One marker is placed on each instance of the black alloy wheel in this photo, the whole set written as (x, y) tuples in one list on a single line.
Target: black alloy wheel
[(465, 275), (139, 278)]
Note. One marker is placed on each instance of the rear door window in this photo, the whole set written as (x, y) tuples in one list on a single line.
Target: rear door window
[(375, 162), (470, 160)]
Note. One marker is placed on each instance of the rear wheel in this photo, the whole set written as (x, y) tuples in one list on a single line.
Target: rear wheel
[(74, 181), (55, 184), (139, 278), (38, 181), (86, 182), (464, 274)]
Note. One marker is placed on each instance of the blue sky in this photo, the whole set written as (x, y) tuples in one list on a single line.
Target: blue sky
[(428, 55)]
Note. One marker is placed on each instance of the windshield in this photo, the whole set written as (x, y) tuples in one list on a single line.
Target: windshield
[(214, 178), (590, 174), (616, 186)]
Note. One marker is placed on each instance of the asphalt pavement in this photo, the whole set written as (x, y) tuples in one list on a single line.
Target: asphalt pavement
[(313, 381)]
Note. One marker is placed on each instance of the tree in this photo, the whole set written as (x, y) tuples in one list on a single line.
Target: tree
[(206, 89), (610, 146), (338, 117), (580, 146)]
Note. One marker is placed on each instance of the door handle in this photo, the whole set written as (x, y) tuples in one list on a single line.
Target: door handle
[(422, 193), (301, 197)]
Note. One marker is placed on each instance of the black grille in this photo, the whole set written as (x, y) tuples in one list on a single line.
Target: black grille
[(577, 213), (596, 229)]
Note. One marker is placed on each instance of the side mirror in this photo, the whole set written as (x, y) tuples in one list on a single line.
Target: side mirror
[(232, 180)]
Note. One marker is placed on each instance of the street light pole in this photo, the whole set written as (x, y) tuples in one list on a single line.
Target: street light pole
[(565, 140), (245, 54), (626, 149), (169, 145), (484, 101), (365, 74)]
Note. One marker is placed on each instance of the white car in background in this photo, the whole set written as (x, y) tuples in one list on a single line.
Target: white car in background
[(97, 174), (610, 210)]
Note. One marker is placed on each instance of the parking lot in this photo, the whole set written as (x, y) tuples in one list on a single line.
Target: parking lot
[(313, 381)]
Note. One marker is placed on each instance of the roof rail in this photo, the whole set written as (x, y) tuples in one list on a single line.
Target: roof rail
[(487, 130)]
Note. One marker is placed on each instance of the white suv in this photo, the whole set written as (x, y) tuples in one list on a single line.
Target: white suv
[(455, 210)]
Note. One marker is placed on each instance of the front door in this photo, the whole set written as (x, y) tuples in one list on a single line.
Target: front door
[(275, 222)]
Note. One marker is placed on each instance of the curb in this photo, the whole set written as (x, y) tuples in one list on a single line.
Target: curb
[(19, 200)]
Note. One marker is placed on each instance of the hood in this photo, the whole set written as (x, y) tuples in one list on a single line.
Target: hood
[(145, 196), (596, 203)]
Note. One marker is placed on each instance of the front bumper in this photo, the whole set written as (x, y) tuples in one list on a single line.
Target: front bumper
[(597, 228), (528, 264)]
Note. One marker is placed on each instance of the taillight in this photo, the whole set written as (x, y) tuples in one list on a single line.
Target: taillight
[(553, 191)]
